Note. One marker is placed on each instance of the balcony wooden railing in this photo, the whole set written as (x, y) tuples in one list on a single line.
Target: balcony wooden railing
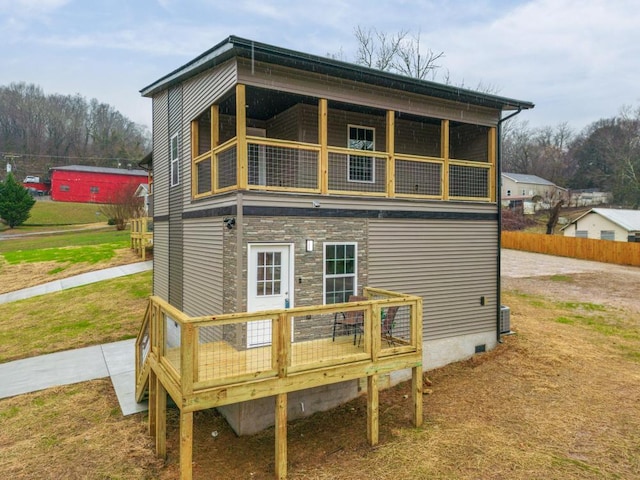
[(141, 235), (204, 362), (279, 165)]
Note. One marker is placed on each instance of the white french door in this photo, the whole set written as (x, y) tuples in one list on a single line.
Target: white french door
[(270, 270)]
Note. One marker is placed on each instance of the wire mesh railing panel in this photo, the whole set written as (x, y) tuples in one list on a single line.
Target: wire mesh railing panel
[(234, 350), (282, 167), (357, 173), (227, 171), (144, 344), (203, 176), (468, 181), (323, 338), (395, 326), (172, 336), (418, 178)]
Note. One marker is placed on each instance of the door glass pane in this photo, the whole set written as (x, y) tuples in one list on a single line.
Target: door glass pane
[(269, 273)]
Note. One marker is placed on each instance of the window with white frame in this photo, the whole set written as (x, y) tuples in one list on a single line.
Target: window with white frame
[(361, 168), (582, 234), (340, 272), (175, 162)]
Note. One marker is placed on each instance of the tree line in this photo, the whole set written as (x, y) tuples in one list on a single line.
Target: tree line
[(604, 156), (39, 131)]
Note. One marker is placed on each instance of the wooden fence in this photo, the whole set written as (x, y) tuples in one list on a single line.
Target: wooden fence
[(621, 253)]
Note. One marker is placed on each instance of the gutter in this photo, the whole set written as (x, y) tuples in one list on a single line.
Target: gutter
[(499, 198)]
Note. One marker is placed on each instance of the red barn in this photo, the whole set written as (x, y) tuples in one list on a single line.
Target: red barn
[(80, 183)]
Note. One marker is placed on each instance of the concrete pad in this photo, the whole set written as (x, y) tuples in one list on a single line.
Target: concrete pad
[(125, 386), (120, 356), (45, 371)]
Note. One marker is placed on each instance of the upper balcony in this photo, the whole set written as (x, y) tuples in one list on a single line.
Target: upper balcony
[(258, 139)]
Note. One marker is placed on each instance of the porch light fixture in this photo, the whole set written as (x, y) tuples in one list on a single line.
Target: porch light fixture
[(309, 245), (229, 222)]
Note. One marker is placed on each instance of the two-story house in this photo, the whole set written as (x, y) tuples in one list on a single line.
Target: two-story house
[(284, 179)]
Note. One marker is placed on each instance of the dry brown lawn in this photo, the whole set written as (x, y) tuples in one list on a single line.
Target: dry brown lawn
[(24, 275), (560, 399)]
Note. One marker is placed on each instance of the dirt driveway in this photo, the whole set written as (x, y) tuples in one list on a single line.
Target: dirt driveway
[(575, 280)]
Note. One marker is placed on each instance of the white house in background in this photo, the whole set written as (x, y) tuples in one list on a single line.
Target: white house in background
[(606, 224), (519, 189)]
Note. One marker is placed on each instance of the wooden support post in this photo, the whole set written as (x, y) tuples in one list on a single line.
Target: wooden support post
[(186, 445), (161, 419), (391, 162), (153, 394), (494, 182), (323, 140), (215, 140), (372, 409), (416, 391), (241, 135), (281, 436), (444, 153)]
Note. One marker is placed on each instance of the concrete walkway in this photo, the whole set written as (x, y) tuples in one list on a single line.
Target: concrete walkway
[(76, 281), (115, 360)]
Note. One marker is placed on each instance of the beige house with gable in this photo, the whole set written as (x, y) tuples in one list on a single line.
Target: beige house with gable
[(606, 224)]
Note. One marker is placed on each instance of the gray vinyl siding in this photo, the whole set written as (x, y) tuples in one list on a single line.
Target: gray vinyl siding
[(161, 153), (176, 202), (206, 89), (451, 264), (199, 93), (203, 292), (285, 126), (160, 263)]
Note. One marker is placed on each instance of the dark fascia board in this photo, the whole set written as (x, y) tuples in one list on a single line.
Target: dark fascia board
[(240, 47)]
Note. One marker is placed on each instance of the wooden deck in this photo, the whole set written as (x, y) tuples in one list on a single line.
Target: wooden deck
[(204, 375)]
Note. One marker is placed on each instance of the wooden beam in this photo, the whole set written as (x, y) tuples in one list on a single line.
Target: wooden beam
[(391, 150), (323, 137), (372, 409), (186, 445), (215, 140), (188, 347), (416, 393), (281, 436), (161, 419), (241, 135), (493, 160)]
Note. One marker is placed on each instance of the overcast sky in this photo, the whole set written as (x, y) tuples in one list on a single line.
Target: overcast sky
[(577, 60)]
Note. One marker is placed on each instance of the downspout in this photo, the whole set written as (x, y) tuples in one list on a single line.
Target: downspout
[(499, 201)]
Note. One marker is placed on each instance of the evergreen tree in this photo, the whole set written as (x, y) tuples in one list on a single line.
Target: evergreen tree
[(15, 202)]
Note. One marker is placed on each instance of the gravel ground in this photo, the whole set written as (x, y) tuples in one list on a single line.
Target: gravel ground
[(571, 279)]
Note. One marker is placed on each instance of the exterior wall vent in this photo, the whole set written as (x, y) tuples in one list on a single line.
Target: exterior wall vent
[(505, 319)]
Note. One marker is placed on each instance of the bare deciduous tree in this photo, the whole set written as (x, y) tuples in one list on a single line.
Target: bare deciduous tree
[(398, 53), (123, 206)]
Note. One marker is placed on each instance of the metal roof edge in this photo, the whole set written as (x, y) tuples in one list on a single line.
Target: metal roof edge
[(241, 47)]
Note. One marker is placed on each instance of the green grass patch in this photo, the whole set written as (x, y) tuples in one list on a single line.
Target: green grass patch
[(561, 278), (92, 314), (64, 213), (67, 239), (87, 254), (585, 306), (8, 413), (565, 320)]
